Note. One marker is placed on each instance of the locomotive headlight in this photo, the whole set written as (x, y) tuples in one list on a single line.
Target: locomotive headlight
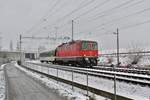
[(84, 55), (86, 59)]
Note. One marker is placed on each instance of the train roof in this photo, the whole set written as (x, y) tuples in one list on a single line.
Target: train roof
[(75, 42), (47, 51)]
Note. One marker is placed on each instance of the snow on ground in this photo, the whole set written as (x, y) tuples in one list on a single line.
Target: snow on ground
[(63, 91), (128, 90), (34, 61), (125, 89), (144, 61), (2, 83)]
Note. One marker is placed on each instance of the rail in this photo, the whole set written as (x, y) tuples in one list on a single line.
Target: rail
[(44, 69), (126, 77), (135, 70)]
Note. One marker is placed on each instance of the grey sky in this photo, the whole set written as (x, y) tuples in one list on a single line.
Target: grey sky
[(94, 20)]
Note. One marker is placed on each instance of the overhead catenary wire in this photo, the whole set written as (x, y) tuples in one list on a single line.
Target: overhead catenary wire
[(121, 18), (105, 2), (44, 17), (99, 5), (80, 9), (70, 13), (52, 14), (134, 25), (104, 15), (124, 7), (86, 12), (110, 10), (128, 27), (121, 5)]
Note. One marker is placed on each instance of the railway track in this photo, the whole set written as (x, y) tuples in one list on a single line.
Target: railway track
[(135, 70), (143, 80), (76, 84), (134, 79)]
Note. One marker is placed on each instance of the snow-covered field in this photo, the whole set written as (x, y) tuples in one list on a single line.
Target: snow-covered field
[(126, 59), (2, 83), (59, 88), (144, 61), (124, 89)]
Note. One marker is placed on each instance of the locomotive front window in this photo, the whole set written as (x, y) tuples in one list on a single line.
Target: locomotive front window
[(89, 45)]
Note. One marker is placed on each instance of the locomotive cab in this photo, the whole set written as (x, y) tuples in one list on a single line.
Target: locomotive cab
[(89, 52)]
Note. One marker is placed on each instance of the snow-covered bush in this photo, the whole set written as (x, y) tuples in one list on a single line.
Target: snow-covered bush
[(135, 56), (110, 59)]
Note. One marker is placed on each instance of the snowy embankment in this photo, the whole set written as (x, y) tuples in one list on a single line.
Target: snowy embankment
[(2, 83), (62, 91)]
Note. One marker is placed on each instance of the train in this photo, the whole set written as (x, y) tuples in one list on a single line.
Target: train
[(77, 53)]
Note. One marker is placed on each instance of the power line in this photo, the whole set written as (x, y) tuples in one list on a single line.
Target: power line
[(124, 17), (52, 14), (110, 10), (129, 26), (73, 11), (44, 17), (88, 10), (131, 5), (70, 13), (121, 5), (134, 25), (83, 14), (99, 5)]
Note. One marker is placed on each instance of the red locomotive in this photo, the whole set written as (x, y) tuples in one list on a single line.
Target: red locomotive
[(79, 52)]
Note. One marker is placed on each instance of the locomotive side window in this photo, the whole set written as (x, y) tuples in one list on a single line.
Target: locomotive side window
[(84, 45), (95, 47), (89, 45)]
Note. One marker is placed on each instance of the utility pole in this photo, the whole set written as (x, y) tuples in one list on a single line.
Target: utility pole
[(56, 28), (11, 45), (0, 41), (72, 29), (118, 62), (20, 49)]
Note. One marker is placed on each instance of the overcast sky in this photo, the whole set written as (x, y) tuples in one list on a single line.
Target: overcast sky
[(93, 20)]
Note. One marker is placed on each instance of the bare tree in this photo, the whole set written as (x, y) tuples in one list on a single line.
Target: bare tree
[(18, 46), (110, 60), (11, 45), (134, 55), (41, 48)]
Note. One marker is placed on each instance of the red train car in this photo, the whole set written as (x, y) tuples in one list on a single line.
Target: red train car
[(79, 52)]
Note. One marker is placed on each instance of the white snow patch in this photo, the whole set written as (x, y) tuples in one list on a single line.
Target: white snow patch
[(2, 83), (34, 61)]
